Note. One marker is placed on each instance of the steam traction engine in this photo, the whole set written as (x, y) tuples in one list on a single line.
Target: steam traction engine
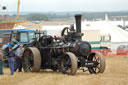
[(65, 54)]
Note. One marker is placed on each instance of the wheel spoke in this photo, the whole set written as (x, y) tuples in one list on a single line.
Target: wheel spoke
[(98, 68), (94, 58), (68, 63), (29, 68), (97, 60)]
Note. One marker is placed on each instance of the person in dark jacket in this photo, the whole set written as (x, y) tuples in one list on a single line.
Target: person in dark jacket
[(11, 55), (1, 64)]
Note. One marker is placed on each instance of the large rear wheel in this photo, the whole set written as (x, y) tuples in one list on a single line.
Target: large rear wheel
[(69, 64), (31, 60), (99, 58)]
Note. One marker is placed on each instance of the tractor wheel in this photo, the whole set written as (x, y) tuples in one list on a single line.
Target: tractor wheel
[(31, 60), (99, 58), (69, 64)]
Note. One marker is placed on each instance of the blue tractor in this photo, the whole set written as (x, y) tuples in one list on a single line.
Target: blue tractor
[(18, 37)]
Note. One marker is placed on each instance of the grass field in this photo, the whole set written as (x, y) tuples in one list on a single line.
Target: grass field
[(116, 73)]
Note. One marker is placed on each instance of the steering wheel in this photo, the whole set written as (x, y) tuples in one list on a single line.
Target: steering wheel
[(65, 31)]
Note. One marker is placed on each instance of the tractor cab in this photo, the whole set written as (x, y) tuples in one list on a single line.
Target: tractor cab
[(22, 36)]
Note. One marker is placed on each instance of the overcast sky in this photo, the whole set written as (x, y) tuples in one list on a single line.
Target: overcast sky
[(66, 5)]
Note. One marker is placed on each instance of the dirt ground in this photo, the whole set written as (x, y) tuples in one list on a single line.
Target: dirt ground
[(116, 73)]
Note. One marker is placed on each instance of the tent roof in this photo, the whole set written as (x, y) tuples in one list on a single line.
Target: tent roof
[(117, 34)]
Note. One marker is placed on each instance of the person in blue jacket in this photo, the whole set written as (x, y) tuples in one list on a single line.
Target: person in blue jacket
[(11, 55)]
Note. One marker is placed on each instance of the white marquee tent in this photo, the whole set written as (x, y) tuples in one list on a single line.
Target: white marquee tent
[(117, 34)]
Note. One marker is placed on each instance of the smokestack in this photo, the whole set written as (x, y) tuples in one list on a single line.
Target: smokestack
[(78, 23), (4, 7)]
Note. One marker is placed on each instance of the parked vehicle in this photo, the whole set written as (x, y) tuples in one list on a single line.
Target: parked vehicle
[(99, 42), (65, 54), (122, 50), (22, 37)]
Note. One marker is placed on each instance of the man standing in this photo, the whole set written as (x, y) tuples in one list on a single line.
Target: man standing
[(1, 64), (11, 60), (19, 53)]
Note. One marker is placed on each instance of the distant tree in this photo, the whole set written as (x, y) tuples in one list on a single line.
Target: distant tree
[(14, 15), (37, 17)]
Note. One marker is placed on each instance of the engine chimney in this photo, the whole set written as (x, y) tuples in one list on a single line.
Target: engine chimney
[(78, 25)]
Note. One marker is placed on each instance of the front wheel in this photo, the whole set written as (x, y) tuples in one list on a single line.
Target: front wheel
[(69, 63), (99, 58)]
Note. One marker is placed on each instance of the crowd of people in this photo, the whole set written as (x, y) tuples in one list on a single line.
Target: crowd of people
[(11, 54)]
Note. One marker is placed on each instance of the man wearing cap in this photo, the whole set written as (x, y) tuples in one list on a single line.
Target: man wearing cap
[(19, 53), (1, 64)]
